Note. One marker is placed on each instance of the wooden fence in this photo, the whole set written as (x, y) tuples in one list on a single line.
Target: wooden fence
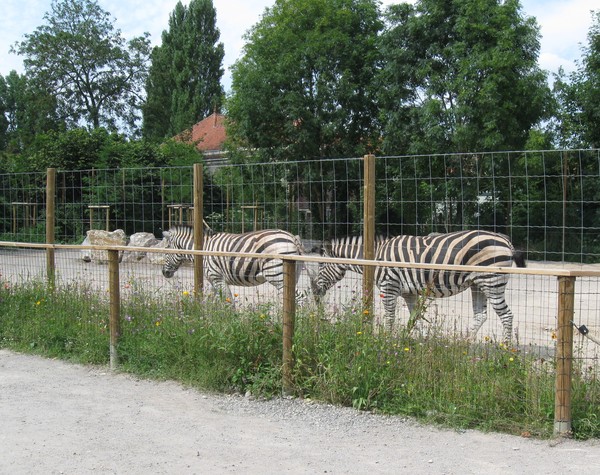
[(565, 283)]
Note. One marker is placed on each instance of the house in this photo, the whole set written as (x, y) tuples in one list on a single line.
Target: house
[(208, 135)]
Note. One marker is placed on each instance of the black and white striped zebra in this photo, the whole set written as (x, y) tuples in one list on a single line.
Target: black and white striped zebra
[(469, 248), (223, 271), (329, 274)]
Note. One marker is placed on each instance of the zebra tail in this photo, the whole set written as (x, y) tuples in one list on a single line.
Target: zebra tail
[(519, 258)]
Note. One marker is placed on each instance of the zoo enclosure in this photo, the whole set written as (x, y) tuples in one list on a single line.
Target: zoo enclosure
[(481, 191)]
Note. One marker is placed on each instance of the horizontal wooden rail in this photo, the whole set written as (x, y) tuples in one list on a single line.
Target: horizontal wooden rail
[(531, 270)]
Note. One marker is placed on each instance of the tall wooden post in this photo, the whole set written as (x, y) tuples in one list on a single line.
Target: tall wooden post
[(115, 306), (50, 223), (369, 231), (198, 227), (289, 315), (564, 356)]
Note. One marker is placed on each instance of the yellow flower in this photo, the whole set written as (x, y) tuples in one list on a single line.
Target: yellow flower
[(228, 300), (359, 333), (553, 335), (407, 349), (157, 323), (366, 312), (511, 359), (38, 302), (186, 293), (235, 295), (487, 338)]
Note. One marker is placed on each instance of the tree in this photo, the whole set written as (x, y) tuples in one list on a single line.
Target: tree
[(303, 88), (184, 84), (577, 121), (460, 76), (25, 111), (78, 57)]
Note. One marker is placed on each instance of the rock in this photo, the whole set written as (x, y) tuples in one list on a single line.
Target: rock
[(157, 257), (139, 240), (97, 237), (86, 254)]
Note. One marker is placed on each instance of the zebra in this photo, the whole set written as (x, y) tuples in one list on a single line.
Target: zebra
[(223, 271), (472, 248), (329, 274)]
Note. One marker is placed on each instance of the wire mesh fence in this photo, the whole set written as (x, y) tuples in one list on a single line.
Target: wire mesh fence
[(545, 201)]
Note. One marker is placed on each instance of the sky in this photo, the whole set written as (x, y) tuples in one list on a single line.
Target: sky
[(564, 26)]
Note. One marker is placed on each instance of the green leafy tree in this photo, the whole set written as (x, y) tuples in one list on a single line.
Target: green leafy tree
[(461, 76), (184, 83), (304, 90), (577, 121), (25, 112), (79, 58)]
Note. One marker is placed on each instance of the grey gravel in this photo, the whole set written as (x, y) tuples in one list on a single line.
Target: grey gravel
[(57, 418)]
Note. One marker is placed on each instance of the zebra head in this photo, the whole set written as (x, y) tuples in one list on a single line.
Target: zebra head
[(172, 261), (327, 275)]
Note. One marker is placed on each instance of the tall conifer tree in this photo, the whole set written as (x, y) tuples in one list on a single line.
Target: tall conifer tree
[(184, 84)]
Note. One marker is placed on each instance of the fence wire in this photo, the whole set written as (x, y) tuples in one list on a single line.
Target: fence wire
[(546, 202)]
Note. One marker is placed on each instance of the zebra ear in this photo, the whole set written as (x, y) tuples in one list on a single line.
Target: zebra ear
[(166, 234)]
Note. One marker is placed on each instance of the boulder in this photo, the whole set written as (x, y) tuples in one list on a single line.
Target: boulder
[(139, 240), (97, 237), (158, 257), (86, 254)]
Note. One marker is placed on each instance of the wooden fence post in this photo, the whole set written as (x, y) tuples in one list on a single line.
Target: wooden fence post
[(289, 315), (564, 356), (369, 231), (198, 228), (115, 306), (50, 224)]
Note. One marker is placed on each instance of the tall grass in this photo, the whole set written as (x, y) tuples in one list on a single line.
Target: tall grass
[(207, 344)]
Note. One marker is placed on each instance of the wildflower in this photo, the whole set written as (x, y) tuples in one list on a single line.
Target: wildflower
[(157, 323), (406, 349), (262, 316), (511, 359), (186, 293), (236, 295), (487, 338), (127, 286), (553, 335), (366, 312), (38, 302), (359, 333), (228, 300)]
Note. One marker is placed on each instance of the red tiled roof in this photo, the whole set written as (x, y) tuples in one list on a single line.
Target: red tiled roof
[(208, 134)]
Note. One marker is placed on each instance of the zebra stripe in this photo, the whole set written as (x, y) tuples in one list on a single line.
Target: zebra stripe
[(223, 271), (329, 274), (469, 248)]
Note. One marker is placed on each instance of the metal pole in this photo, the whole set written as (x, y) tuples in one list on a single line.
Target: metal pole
[(564, 356), (289, 314), (115, 306)]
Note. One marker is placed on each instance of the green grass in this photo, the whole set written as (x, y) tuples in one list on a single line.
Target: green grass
[(208, 345)]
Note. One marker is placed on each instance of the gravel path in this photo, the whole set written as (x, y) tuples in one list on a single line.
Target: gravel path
[(57, 417)]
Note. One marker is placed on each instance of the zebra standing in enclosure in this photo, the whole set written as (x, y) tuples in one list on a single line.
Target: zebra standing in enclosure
[(223, 271), (469, 248)]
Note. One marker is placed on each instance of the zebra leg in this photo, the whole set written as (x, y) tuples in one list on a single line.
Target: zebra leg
[(390, 297), (415, 320), (498, 301), (222, 289), (479, 310)]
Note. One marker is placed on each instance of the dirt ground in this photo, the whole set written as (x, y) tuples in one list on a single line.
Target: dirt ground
[(61, 418)]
